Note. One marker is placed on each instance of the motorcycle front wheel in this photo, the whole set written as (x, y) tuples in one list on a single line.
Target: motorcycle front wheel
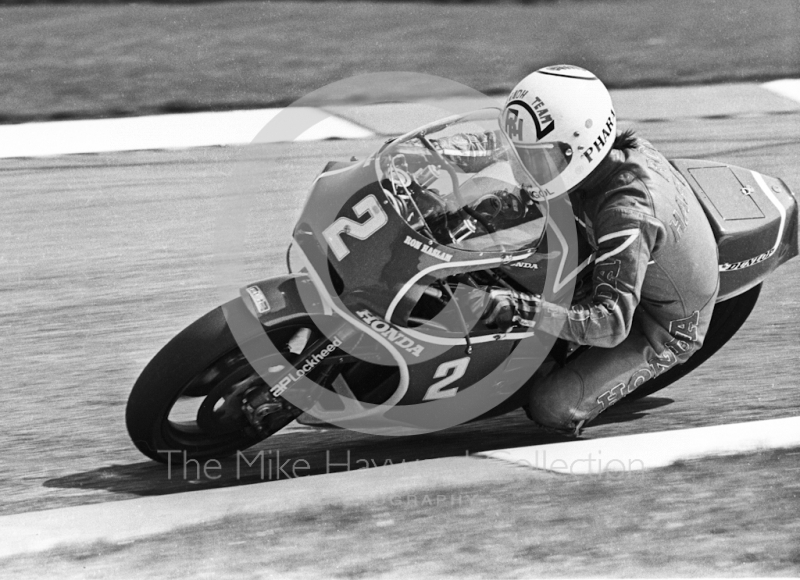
[(177, 408)]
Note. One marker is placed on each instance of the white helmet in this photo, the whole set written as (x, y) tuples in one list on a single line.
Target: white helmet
[(562, 124)]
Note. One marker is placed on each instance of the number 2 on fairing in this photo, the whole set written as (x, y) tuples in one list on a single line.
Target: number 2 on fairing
[(436, 390), (377, 219)]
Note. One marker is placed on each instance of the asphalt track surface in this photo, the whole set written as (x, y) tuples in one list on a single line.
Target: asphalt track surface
[(107, 256)]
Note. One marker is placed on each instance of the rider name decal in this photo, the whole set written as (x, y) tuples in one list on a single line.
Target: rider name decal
[(427, 249), (600, 140), (387, 331)]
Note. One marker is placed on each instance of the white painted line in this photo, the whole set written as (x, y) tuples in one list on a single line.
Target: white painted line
[(163, 132), (295, 427), (186, 130), (651, 450), (789, 88)]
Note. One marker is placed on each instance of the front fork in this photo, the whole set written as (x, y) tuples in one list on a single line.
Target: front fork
[(265, 407)]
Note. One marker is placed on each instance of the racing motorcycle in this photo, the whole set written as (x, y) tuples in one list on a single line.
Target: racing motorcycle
[(378, 331)]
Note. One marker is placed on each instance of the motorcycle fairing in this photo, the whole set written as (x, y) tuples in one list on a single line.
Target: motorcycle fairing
[(335, 234), (285, 299), (437, 353)]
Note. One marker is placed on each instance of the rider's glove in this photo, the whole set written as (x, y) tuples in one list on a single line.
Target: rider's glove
[(506, 308)]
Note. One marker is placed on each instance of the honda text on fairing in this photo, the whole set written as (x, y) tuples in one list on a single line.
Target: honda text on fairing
[(377, 330)]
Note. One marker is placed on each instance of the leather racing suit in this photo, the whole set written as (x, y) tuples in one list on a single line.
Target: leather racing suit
[(655, 281)]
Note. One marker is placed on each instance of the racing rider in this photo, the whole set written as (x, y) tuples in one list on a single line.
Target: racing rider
[(655, 275)]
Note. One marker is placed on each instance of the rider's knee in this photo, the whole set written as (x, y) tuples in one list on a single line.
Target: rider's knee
[(555, 402)]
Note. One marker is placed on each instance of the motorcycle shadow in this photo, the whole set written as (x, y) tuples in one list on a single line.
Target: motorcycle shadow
[(323, 451)]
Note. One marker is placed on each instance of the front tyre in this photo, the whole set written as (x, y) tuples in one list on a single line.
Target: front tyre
[(178, 403)]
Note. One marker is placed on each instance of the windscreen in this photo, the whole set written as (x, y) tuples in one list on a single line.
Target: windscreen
[(461, 183)]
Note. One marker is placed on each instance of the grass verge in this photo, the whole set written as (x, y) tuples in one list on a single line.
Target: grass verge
[(112, 60), (734, 516)]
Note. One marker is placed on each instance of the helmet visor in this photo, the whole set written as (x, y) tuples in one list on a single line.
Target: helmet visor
[(544, 161)]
